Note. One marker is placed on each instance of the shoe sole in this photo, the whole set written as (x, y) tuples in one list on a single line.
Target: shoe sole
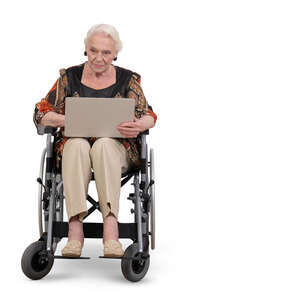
[(113, 255), (70, 254)]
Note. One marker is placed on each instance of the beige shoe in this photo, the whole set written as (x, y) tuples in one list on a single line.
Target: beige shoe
[(72, 249), (113, 248)]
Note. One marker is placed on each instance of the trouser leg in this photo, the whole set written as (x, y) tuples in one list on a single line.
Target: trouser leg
[(108, 158), (76, 174)]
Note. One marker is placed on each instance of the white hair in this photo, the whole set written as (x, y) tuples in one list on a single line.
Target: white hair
[(108, 30)]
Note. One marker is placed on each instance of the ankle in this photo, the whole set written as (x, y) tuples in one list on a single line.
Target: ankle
[(110, 239), (75, 236), (75, 229)]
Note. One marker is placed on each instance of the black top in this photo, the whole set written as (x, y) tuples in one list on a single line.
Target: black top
[(107, 92), (74, 75)]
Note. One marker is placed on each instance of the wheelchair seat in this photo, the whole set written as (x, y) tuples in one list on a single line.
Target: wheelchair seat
[(128, 172)]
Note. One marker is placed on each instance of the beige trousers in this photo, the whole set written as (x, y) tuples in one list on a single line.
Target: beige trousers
[(108, 158)]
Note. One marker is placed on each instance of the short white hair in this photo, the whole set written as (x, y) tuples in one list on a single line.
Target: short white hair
[(108, 30)]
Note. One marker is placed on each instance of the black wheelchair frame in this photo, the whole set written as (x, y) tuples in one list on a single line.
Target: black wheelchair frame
[(38, 258)]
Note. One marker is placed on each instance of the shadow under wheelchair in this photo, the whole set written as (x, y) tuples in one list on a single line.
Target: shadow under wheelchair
[(38, 257)]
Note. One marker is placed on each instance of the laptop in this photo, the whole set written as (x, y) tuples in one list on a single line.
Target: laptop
[(97, 117)]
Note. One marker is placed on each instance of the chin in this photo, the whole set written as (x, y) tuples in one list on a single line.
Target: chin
[(97, 69)]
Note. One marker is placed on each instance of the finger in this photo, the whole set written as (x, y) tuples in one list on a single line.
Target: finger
[(129, 130), (129, 133), (127, 124)]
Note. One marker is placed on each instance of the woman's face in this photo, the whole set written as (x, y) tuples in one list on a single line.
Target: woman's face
[(101, 51)]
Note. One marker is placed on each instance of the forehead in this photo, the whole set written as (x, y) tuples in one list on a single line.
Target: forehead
[(100, 40)]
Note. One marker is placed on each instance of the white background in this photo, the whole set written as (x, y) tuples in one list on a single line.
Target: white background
[(223, 78)]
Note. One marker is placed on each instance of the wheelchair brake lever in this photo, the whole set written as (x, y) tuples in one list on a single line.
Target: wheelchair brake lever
[(147, 189), (39, 180), (150, 183)]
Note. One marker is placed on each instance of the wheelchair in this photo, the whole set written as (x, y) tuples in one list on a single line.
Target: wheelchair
[(38, 258)]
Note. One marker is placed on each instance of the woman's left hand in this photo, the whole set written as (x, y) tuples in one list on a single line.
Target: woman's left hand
[(131, 129)]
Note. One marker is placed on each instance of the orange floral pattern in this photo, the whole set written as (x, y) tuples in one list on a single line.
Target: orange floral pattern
[(55, 101)]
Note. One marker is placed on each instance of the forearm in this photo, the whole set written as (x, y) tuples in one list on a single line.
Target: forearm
[(53, 119), (146, 122)]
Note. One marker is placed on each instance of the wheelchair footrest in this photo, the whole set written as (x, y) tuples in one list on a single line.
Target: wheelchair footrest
[(123, 257), (66, 257), (113, 257)]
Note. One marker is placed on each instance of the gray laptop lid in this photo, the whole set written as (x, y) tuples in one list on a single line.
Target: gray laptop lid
[(96, 117)]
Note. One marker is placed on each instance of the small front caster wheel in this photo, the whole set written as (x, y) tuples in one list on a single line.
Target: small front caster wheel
[(134, 270), (36, 261)]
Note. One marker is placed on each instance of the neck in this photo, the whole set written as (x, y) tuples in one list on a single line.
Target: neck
[(97, 75)]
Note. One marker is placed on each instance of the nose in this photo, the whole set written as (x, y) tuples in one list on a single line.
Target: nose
[(99, 57)]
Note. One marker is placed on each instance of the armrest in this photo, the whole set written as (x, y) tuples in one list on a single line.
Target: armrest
[(142, 135), (41, 129), (144, 132)]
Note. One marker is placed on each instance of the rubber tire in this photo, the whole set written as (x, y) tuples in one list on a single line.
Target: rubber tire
[(132, 270), (30, 264), (152, 203)]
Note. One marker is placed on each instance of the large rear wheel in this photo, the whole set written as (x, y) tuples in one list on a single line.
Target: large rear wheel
[(152, 199)]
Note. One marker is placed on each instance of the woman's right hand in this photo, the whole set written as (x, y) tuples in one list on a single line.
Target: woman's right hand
[(53, 119)]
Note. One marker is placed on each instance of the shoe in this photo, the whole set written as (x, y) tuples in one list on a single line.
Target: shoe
[(72, 249), (113, 248)]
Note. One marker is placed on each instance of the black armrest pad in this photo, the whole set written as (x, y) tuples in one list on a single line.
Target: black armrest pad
[(45, 129), (145, 132), (141, 134)]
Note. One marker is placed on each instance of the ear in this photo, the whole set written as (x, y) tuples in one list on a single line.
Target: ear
[(115, 55)]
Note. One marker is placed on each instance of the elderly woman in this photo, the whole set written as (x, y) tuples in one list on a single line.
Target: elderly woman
[(108, 157)]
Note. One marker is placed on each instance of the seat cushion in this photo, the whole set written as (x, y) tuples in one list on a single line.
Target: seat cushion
[(131, 171)]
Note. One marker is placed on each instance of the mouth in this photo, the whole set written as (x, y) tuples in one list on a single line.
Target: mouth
[(98, 66)]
